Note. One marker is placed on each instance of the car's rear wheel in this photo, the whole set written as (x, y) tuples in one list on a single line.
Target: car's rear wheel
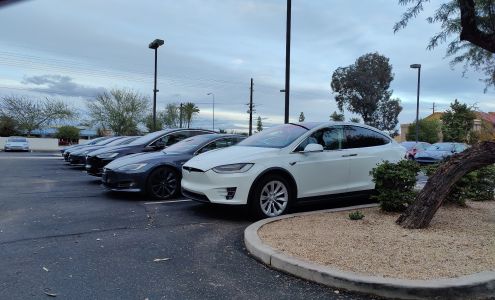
[(271, 197), (163, 183)]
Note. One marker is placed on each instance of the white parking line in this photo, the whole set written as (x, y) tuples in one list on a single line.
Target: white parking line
[(167, 201)]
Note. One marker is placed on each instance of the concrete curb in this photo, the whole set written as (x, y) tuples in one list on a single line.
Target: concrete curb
[(475, 286)]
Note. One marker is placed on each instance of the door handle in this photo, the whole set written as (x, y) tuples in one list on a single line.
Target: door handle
[(348, 155)]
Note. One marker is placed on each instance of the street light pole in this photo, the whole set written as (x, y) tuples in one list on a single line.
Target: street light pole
[(213, 95), (154, 45), (287, 62), (417, 66)]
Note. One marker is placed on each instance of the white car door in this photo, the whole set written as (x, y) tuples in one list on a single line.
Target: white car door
[(321, 173), (366, 149)]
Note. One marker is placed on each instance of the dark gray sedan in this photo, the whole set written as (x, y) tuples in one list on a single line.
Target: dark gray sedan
[(439, 151), (158, 174)]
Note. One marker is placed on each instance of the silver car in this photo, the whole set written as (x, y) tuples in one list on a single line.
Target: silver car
[(16, 143)]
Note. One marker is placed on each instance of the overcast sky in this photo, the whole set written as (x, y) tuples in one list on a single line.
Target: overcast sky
[(74, 49)]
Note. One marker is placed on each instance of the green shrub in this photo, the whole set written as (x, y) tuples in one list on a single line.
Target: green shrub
[(478, 185), (67, 132), (395, 183), (356, 215)]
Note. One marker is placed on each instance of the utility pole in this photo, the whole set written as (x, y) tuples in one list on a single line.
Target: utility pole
[(433, 107), (287, 62), (251, 108), (180, 116)]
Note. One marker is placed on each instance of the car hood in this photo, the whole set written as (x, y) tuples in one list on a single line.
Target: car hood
[(138, 158), (433, 154), (230, 155)]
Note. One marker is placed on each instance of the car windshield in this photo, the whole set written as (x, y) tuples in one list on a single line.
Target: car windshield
[(127, 140), (17, 140), (275, 137), (107, 141), (440, 147), (149, 137), (190, 144), (408, 145)]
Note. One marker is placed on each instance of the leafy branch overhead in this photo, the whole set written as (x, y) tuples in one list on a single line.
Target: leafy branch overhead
[(472, 23), (468, 28)]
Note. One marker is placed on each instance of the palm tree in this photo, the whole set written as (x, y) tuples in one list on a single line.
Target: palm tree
[(190, 110)]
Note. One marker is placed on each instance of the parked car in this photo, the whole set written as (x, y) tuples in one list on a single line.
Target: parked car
[(155, 141), (158, 173), (273, 169), (16, 143), (439, 151), (78, 157), (100, 142), (413, 148), (91, 142)]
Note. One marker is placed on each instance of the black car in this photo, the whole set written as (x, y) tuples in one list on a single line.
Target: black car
[(78, 156), (155, 141), (101, 142), (74, 147), (158, 174)]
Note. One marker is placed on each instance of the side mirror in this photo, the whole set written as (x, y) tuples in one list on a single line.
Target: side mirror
[(313, 148)]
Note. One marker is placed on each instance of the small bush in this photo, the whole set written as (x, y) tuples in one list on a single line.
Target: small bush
[(356, 215), (395, 183), (478, 185)]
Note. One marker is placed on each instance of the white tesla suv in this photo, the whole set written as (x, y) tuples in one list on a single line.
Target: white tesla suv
[(273, 169)]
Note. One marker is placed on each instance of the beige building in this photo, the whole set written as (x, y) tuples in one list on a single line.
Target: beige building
[(480, 117)]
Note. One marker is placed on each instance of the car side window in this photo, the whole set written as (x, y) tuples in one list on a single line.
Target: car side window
[(331, 138), (177, 137), (221, 143), (359, 137)]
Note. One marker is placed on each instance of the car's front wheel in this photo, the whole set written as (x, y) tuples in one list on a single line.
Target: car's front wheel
[(271, 197), (163, 183)]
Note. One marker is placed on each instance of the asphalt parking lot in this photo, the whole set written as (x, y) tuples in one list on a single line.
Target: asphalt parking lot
[(62, 235)]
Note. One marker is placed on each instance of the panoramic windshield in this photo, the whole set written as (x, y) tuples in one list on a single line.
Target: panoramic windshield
[(440, 147), (188, 145), (148, 138), (275, 137)]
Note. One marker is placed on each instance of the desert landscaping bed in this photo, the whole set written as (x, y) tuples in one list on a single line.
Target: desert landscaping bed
[(459, 241)]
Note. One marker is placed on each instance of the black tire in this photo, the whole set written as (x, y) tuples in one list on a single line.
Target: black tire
[(262, 204), (163, 183)]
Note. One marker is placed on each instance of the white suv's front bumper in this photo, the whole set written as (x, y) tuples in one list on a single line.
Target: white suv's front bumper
[(215, 187)]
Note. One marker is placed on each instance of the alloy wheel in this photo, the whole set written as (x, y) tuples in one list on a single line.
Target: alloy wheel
[(164, 184), (274, 198)]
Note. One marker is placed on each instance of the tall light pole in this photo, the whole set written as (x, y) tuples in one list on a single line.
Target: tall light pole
[(417, 66), (287, 62), (213, 95), (154, 45)]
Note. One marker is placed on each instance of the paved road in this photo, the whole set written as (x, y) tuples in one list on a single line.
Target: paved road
[(60, 233)]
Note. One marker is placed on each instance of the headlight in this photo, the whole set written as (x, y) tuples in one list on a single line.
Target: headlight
[(234, 168), (107, 155), (131, 167)]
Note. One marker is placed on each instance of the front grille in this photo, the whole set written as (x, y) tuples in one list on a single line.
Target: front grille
[(195, 196)]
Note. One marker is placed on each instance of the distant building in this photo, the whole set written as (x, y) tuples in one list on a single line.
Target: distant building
[(480, 117)]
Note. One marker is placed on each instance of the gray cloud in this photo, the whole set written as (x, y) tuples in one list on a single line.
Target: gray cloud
[(203, 40), (61, 85)]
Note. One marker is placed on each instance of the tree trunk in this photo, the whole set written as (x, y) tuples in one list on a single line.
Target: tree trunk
[(438, 186)]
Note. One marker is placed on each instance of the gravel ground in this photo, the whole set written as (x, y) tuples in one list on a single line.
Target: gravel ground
[(459, 241)]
